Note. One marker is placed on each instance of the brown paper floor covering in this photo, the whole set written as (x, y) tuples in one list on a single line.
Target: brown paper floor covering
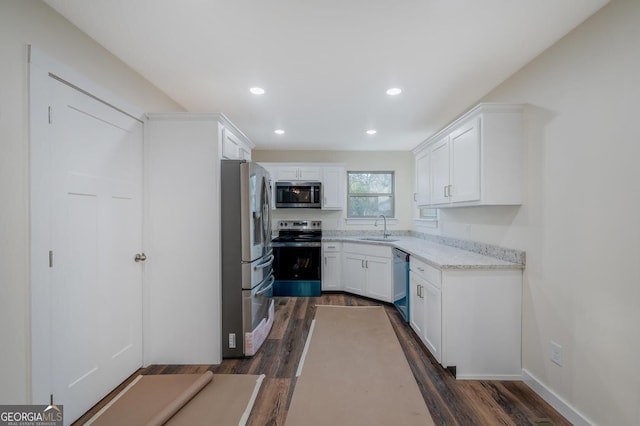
[(355, 373), (182, 399)]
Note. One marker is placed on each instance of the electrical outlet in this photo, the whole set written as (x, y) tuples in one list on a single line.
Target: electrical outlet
[(232, 340), (556, 353)]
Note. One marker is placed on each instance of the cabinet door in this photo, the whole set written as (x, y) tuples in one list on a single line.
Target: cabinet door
[(353, 273), (440, 172), (331, 271), (465, 162), (333, 186), (310, 173), (230, 145), (379, 278), (423, 178), (416, 304), (287, 173), (433, 320)]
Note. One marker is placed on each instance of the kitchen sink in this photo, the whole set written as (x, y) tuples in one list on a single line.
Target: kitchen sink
[(389, 240)]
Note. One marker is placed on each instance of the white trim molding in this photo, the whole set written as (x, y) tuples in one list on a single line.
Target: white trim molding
[(563, 407)]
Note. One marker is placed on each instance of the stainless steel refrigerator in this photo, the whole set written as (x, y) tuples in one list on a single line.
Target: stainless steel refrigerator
[(247, 258)]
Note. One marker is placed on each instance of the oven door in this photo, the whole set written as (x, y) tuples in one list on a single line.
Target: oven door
[(297, 261)]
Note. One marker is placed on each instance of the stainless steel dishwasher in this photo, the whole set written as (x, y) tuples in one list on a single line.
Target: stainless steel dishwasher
[(401, 282)]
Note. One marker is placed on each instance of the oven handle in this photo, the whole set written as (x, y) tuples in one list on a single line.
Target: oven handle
[(270, 280), (296, 244), (264, 264)]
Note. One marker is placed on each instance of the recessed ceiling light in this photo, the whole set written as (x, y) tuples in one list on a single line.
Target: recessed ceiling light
[(371, 132), (394, 91), (279, 132), (257, 90)]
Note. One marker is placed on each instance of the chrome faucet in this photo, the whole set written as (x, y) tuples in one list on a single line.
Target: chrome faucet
[(385, 234)]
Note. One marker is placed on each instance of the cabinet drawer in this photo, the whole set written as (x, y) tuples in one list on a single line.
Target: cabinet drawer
[(426, 272), (367, 249), (331, 247)]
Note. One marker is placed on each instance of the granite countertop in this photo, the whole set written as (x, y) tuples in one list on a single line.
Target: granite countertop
[(438, 255)]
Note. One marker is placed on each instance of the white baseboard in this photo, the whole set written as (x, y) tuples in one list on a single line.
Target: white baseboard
[(566, 409)]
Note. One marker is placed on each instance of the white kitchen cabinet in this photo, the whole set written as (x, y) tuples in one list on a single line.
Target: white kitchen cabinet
[(416, 304), (429, 320), (476, 160), (331, 266), (354, 276), (422, 195), (333, 188), (440, 166), (368, 270), (235, 147), (469, 319), (433, 319), (299, 173)]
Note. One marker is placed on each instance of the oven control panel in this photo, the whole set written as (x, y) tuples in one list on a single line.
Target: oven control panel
[(300, 225)]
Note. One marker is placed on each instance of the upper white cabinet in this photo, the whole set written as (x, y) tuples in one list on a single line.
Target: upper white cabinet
[(333, 187), (422, 195), (235, 147), (331, 175), (301, 173), (476, 160)]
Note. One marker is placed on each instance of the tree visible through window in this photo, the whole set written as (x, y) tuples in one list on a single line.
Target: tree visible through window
[(370, 194)]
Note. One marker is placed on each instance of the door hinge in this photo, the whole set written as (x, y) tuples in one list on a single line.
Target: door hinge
[(50, 114), (50, 258)]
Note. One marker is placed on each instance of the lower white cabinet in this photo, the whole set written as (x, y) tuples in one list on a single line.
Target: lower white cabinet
[(331, 266), (416, 304), (368, 270), (425, 282), (469, 319), (433, 319)]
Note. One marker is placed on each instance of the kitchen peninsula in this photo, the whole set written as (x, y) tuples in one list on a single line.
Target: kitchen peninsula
[(465, 306)]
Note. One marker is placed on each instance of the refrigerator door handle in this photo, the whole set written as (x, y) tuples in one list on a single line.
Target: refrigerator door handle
[(269, 286), (264, 264)]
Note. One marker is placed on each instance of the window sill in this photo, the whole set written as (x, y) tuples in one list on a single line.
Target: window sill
[(369, 221)]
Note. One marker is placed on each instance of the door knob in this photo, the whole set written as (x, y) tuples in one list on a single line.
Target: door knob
[(140, 257)]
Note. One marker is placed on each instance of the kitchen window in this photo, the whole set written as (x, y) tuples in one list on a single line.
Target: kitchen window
[(370, 194)]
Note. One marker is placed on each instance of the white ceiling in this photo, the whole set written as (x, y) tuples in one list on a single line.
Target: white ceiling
[(326, 64)]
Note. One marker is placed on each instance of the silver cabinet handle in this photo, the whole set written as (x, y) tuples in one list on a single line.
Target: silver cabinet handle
[(140, 257), (420, 269), (362, 263), (445, 191)]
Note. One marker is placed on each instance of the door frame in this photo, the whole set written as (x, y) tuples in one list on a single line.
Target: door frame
[(41, 69)]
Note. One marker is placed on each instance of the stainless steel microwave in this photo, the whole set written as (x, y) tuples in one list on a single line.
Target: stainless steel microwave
[(298, 195)]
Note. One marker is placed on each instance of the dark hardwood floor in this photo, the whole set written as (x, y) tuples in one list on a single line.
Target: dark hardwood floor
[(450, 401)]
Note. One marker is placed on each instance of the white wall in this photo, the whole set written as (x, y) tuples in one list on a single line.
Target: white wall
[(580, 225), (401, 162), (21, 23)]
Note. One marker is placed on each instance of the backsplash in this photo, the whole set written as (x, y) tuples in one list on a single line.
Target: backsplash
[(502, 253)]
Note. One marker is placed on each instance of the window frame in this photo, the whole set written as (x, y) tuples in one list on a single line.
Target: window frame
[(391, 195)]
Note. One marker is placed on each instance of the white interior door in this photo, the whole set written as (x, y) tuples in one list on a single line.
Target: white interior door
[(96, 217)]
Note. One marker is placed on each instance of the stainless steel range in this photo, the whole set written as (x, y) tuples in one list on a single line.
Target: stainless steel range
[(297, 258)]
